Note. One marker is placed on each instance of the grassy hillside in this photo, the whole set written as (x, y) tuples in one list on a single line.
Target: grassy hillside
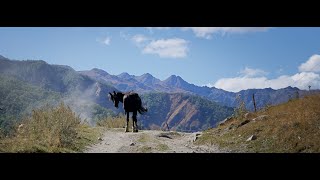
[(54, 77), (50, 129), (25, 85), (18, 98), (290, 127)]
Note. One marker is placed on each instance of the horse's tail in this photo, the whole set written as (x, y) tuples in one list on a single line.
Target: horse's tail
[(142, 110)]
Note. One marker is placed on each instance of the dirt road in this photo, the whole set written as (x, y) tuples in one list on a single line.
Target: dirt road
[(149, 141)]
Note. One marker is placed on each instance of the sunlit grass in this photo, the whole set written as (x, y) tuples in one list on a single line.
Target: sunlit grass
[(290, 127), (50, 129)]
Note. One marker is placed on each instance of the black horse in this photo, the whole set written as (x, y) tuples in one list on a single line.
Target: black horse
[(131, 103)]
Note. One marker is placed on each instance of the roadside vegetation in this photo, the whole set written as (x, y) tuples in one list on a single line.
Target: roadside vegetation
[(290, 127), (49, 129)]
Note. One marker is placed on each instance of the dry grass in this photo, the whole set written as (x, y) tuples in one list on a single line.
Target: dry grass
[(114, 122), (162, 147), (290, 127), (144, 138), (145, 149), (50, 129)]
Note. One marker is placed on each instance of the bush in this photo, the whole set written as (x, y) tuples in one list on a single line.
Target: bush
[(114, 122), (49, 129)]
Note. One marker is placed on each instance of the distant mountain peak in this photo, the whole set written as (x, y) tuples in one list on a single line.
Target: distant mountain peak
[(96, 69), (174, 79), (290, 87), (147, 74), (125, 75), (2, 57), (99, 71), (148, 79)]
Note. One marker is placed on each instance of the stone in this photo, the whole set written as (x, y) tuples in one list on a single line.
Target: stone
[(246, 115), (252, 137), (259, 118), (224, 121), (243, 123)]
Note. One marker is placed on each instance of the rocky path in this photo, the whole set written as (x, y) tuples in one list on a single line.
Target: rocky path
[(149, 141)]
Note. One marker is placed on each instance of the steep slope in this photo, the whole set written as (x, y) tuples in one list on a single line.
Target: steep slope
[(79, 91), (18, 98), (87, 92), (290, 127), (85, 95), (146, 83), (54, 77), (182, 112)]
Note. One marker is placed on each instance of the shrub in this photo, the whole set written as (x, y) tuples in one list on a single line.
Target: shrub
[(114, 122), (49, 129)]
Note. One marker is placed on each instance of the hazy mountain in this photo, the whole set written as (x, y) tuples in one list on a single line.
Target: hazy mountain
[(87, 92), (146, 83), (126, 76), (80, 92), (148, 79), (88, 96), (182, 112), (124, 82)]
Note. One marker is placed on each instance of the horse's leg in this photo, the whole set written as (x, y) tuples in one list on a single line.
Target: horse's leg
[(127, 126), (134, 119), (133, 123)]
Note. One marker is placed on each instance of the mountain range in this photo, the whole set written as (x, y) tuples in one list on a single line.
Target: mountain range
[(146, 83), (26, 83), (172, 103)]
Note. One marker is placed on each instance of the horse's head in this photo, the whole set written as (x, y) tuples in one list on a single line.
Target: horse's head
[(115, 99)]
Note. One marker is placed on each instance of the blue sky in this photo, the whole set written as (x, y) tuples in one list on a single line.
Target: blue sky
[(228, 58)]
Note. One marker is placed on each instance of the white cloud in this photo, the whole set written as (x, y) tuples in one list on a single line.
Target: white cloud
[(107, 41), (168, 48), (239, 83), (300, 80), (248, 72), (139, 38), (158, 28), (312, 65), (206, 32), (124, 35), (279, 71), (255, 78)]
